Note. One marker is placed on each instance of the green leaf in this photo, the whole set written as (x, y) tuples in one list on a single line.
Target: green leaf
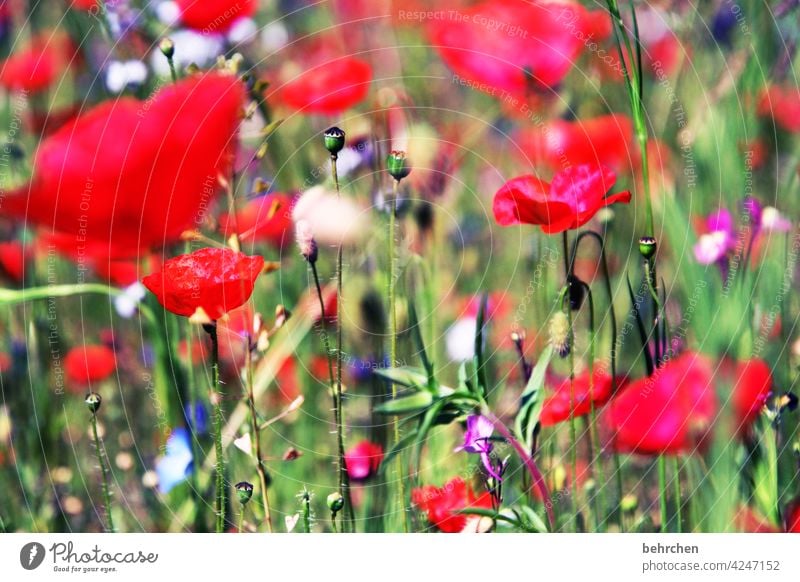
[(406, 404), (405, 376), (532, 399), (480, 345)]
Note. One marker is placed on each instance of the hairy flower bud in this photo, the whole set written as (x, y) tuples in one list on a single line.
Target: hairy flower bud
[(560, 333), (305, 241)]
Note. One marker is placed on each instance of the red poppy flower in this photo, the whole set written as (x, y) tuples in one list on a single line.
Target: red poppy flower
[(5, 362), (751, 388), (265, 219), (329, 88), (362, 460), (132, 175), (12, 259), (497, 42), (569, 201), (209, 282), (782, 103), (37, 67), (214, 15), (87, 364), (441, 503), (581, 392), (86, 4), (606, 140), (792, 514), (669, 412)]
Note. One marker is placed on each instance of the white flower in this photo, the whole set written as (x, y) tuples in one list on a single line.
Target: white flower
[(772, 220), (127, 303), (190, 47), (333, 220), (242, 31), (121, 74), (305, 240), (274, 37), (460, 339), (168, 12)]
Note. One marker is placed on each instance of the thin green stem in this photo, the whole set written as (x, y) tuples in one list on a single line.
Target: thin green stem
[(573, 434), (262, 474), (662, 490), (101, 460), (393, 340), (216, 402), (344, 478), (677, 492), (241, 519)]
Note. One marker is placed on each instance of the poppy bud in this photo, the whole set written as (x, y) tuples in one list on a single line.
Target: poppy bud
[(334, 140), (167, 47), (335, 502), (397, 165), (244, 491), (629, 503), (305, 241), (560, 333), (576, 292), (647, 247), (93, 402)]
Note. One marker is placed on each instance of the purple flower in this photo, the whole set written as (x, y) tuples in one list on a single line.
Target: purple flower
[(477, 440), (713, 246)]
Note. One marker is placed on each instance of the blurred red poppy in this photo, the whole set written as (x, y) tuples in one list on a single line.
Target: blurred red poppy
[(86, 4), (132, 175), (206, 283), (12, 260), (329, 88), (37, 67), (669, 412), (362, 460), (507, 44), (606, 140), (441, 503), (214, 15), (569, 201), (792, 518), (752, 386), (5, 362), (782, 103), (583, 392), (265, 219), (86, 364)]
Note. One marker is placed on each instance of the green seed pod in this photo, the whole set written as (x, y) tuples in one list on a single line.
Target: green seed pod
[(647, 247), (93, 402), (334, 140), (244, 491), (397, 165), (335, 502)]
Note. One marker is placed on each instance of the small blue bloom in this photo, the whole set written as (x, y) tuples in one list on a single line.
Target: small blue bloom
[(176, 465)]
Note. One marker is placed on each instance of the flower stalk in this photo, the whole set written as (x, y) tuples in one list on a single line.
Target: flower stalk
[(93, 402), (216, 403)]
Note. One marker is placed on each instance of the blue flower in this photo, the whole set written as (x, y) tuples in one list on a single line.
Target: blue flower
[(176, 465)]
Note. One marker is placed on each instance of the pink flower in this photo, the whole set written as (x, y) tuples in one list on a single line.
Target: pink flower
[(362, 460)]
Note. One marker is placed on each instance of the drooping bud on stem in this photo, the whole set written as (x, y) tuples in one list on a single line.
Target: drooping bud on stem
[(167, 48)]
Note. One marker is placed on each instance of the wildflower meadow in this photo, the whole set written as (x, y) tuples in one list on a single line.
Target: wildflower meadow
[(399, 266)]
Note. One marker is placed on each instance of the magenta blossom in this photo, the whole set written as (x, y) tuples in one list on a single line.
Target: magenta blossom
[(477, 440), (713, 246)]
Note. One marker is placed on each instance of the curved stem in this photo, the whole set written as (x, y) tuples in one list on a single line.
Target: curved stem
[(529, 463)]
